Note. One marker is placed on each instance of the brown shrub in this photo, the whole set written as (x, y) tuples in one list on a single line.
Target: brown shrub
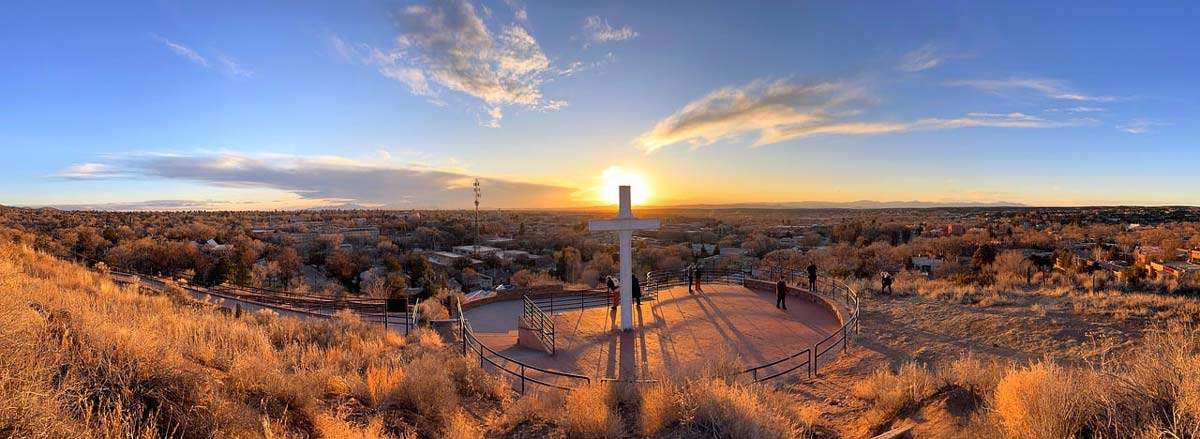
[(895, 392), (590, 412), (1043, 401)]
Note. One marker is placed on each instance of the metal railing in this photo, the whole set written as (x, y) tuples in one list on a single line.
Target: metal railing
[(663, 279), (283, 301), (515, 369), (584, 299), (807, 358), (538, 322)]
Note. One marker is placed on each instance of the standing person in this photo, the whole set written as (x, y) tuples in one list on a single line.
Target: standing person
[(637, 291), (812, 277), (886, 281), (697, 274), (613, 295), (781, 294), (691, 277)]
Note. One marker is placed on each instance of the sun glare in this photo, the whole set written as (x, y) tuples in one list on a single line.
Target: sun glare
[(615, 176)]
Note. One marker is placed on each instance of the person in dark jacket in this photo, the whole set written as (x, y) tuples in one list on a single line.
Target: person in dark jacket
[(613, 296), (812, 277), (781, 294), (691, 277), (696, 277), (637, 291), (886, 280)]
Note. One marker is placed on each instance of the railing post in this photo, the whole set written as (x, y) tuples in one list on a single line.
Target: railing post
[(522, 379), (812, 362)]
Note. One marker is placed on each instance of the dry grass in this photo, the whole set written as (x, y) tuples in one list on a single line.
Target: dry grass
[(658, 407), (590, 412), (893, 393), (1152, 392), (1042, 401), (81, 356)]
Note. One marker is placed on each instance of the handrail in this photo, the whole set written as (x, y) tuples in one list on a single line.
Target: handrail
[(469, 339), (540, 322)]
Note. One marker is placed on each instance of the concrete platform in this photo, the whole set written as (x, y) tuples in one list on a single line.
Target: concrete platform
[(675, 332)]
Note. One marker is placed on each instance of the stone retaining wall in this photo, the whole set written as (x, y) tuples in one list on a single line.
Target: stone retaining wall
[(534, 292), (768, 286)]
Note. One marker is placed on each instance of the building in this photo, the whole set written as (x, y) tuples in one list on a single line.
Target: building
[(955, 230), (478, 251), (365, 234), (477, 281), (1173, 269), (1146, 254), (516, 255), (445, 259), (926, 264), (497, 241), (213, 245)]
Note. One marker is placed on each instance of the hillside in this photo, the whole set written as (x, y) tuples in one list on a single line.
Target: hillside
[(82, 356)]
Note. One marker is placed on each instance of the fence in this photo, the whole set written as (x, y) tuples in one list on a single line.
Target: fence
[(538, 322), (585, 299), (510, 367), (658, 280), (371, 310)]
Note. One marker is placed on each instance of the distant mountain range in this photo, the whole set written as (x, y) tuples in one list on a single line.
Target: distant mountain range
[(860, 204)]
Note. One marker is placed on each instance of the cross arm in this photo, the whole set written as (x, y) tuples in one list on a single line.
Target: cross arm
[(619, 224)]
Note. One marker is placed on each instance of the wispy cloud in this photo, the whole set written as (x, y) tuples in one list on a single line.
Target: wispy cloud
[(332, 179), (518, 8), (998, 120), (1049, 88), (233, 68), (88, 171), (773, 111), (599, 31), (160, 205), (1076, 110), (1140, 126), (184, 51), (446, 46), (227, 64), (924, 58)]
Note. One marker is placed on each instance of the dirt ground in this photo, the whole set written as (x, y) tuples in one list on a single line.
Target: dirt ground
[(896, 330)]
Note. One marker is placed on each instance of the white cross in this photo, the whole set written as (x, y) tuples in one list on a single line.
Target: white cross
[(625, 224)]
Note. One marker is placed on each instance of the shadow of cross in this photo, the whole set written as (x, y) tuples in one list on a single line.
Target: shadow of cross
[(625, 224)]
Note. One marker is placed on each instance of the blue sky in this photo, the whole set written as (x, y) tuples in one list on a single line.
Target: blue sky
[(238, 105)]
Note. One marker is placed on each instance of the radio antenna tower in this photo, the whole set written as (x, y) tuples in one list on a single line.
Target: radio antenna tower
[(478, 194)]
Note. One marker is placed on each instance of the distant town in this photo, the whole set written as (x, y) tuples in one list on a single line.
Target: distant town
[(400, 253)]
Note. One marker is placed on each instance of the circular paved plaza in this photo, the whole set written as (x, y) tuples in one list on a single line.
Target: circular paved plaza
[(677, 331)]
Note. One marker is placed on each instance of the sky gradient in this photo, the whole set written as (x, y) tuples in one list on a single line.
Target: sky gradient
[(258, 105)]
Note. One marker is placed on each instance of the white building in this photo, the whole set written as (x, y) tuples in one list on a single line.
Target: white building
[(448, 259), (478, 251), (516, 255), (926, 264)]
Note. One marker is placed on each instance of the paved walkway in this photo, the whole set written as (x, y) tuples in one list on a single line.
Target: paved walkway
[(673, 333)]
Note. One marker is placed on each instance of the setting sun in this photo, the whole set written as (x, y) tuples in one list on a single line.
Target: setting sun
[(616, 176)]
